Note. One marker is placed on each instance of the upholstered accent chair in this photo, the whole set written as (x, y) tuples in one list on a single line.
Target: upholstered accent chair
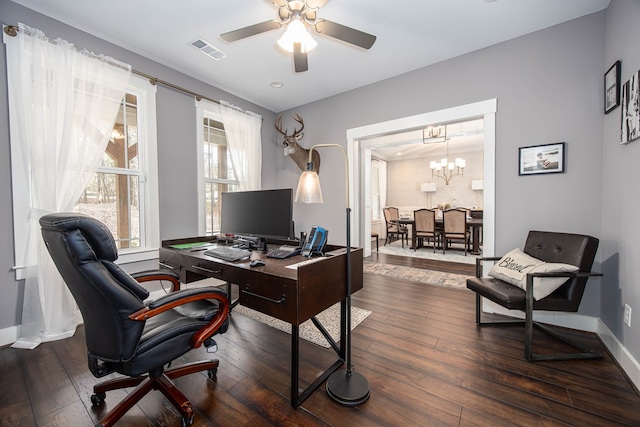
[(547, 256), (125, 331)]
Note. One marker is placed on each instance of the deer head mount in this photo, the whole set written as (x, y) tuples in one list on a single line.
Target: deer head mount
[(292, 148)]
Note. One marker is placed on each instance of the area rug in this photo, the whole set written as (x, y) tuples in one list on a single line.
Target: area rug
[(330, 319), (395, 248), (420, 275)]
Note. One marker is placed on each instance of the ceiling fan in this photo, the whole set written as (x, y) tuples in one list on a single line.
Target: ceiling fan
[(296, 15)]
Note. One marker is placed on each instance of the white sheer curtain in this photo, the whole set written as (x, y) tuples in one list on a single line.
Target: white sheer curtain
[(63, 105), (242, 129)]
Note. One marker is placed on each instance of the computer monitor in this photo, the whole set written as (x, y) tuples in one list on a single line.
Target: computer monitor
[(263, 213)]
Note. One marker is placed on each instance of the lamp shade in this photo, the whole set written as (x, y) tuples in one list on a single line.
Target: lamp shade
[(308, 190), (429, 187), (477, 184), (296, 33)]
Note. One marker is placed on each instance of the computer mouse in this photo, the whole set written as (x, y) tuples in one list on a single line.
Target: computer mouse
[(256, 263)]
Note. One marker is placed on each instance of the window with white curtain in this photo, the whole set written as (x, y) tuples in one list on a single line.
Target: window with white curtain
[(216, 174), (219, 176), (225, 132), (123, 192)]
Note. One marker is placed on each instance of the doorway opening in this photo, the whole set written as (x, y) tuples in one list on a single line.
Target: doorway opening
[(361, 141)]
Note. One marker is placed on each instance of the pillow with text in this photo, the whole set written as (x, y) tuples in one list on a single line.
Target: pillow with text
[(514, 266)]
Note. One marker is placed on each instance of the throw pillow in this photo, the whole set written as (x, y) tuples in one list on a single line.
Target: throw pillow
[(514, 266), (543, 286)]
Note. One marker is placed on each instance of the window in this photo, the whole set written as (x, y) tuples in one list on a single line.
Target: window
[(123, 194), (375, 191), (113, 195), (217, 171)]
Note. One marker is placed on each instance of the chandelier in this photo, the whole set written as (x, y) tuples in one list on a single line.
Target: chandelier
[(443, 169)]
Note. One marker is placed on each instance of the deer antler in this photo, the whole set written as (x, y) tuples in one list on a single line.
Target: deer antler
[(298, 154), (297, 133)]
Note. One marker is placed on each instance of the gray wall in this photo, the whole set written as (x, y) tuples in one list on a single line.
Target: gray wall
[(620, 234), (176, 119)]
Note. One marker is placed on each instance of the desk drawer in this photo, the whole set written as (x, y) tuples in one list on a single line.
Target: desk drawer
[(271, 295), (216, 270)]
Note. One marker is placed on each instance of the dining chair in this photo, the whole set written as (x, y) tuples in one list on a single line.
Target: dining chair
[(425, 227), (454, 224), (391, 217)]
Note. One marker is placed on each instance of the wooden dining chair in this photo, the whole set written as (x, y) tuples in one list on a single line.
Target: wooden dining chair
[(425, 228), (454, 224), (391, 217)]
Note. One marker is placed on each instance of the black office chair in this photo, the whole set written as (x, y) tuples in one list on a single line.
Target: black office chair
[(551, 247), (125, 334)]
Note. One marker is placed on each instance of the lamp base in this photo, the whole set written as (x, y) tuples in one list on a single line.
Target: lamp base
[(349, 389)]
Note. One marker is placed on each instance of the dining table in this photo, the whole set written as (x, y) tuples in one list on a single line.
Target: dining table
[(475, 224)]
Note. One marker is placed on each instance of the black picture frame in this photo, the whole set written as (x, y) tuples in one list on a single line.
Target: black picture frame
[(541, 159), (612, 87), (630, 120)]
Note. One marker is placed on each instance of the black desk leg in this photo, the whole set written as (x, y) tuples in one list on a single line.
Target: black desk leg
[(298, 398), (295, 365), (231, 303)]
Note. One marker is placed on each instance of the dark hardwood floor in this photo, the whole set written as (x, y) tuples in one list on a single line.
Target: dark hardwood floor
[(426, 361)]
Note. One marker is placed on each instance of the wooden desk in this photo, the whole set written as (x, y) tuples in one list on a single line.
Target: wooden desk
[(474, 223), (288, 294)]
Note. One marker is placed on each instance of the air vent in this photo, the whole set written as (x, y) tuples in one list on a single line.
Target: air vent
[(208, 49)]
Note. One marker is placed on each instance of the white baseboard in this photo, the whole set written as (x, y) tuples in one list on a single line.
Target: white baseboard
[(566, 320), (627, 362), (9, 335)]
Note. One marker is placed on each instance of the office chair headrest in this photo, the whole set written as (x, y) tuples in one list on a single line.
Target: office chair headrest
[(95, 232)]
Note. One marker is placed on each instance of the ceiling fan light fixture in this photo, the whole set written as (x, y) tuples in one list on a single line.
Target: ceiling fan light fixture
[(297, 33)]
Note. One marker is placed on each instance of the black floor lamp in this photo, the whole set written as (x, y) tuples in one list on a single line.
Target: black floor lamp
[(344, 386)]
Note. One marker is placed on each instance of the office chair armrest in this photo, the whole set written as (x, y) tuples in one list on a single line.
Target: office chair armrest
[(161, 274), (553, 274), (185, 296)]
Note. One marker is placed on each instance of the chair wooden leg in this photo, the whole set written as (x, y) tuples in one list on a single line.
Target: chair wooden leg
[(145, 384)]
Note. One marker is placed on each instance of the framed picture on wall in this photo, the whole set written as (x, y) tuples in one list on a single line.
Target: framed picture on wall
[(547, 158), (612, 88), (630, 126)]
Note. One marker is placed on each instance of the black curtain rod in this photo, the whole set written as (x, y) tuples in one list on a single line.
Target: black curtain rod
[(12, 30)]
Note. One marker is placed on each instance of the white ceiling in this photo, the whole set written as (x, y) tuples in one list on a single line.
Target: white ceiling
[(461, 137), (410, 34)]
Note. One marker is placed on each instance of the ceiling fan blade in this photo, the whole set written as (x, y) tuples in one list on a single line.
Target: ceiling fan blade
[(300, 62), (316, 4), (251, 30), (347, 34)]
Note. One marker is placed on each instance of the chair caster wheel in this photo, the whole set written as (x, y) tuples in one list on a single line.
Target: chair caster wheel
[(187, 421), (98, 398), (212, 373)]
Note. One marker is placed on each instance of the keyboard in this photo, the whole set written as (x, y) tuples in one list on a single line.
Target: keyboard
[(283, 252), (228, 253)]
